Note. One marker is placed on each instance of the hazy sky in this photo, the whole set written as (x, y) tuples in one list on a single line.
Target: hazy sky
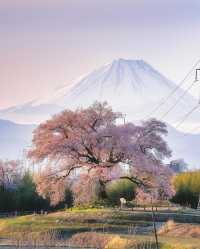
[(47, 43)]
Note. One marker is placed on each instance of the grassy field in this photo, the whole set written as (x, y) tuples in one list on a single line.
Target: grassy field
[(121, 225), (72, 221)]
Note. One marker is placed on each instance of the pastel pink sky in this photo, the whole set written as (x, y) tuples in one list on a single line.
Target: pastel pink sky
[(49, 43)]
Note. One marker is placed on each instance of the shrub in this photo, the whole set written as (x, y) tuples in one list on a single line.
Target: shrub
[(120, 188), (22, 196), (89, 239), (187, 186), (27, 198), (68, 200)]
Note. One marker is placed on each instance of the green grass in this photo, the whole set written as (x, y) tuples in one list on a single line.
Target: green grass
[(70, 221)]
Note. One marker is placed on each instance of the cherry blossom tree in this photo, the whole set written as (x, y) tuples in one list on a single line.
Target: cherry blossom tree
[(86, 189), (92, 141)]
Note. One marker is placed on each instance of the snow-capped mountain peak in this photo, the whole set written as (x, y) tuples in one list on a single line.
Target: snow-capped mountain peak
[(131, 86), (113, 81)]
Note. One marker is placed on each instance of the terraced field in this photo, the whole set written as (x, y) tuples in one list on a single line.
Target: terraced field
[(125, 224)]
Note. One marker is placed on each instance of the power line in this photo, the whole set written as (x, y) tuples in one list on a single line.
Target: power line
[(194, 108), (177, 101), (174, 90), (193, 130), (187, 115)]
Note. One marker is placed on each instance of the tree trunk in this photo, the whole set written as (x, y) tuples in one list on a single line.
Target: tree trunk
[(102, 190)]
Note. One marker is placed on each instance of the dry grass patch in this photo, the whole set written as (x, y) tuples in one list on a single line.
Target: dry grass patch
[(90, 239), (106, 241), (180, 230)]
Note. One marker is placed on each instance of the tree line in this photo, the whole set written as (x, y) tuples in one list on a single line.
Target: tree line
[(18, 189), (18, 192)]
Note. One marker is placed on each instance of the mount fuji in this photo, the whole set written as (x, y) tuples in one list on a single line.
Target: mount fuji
[(131, 86)]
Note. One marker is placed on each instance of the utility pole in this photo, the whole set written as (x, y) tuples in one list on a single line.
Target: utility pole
[(154, 224), (196, 74), (124, 118), (198, 206), (197, 78)]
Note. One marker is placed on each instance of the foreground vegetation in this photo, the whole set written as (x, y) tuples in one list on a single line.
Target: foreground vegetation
[(107, 226)]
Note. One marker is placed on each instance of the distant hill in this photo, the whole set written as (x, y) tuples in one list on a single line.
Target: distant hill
[(184, 145), (14, 138)]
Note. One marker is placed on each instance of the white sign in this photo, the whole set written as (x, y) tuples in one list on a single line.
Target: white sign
[(122, 200)]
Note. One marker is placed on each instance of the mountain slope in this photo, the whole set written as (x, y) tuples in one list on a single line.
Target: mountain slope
[(14, 138), (130, 86), (184, 145)]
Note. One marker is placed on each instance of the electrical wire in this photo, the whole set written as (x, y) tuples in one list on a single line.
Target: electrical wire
[(177, 101), (187, 115), (192, 131), (174, 90)]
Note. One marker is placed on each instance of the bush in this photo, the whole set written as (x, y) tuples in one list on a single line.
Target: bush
[(89, 239), (185, 197), (187, 186), (118, 189), (27, 198), (7, 199), (68, 201), (22, 196)]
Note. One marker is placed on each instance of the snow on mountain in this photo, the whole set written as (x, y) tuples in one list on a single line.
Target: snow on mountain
[(14, 139), (130, 86)]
